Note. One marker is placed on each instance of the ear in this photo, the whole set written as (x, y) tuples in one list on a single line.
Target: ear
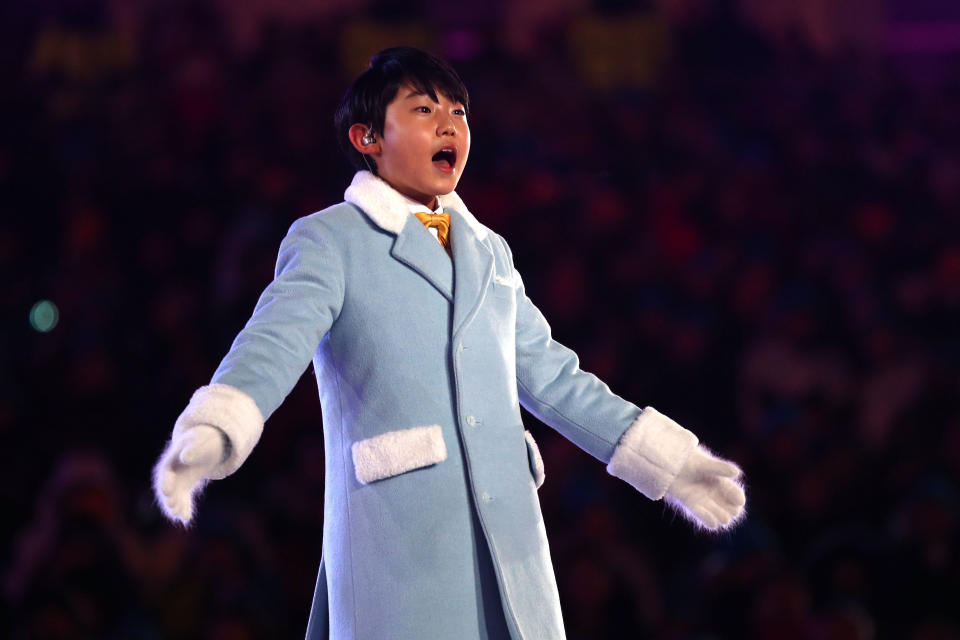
[(356, 134)]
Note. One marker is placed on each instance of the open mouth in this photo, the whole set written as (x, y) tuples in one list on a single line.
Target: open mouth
[(445, 159)]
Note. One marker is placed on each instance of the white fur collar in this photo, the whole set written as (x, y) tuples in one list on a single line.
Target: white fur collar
[(389, 208)]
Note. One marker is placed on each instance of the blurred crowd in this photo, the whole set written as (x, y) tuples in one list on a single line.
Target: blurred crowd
[(751, 230)]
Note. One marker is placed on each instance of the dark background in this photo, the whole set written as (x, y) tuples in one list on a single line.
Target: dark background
[(742, 213)]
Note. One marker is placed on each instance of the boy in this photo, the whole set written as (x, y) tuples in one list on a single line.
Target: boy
[(424, 344)]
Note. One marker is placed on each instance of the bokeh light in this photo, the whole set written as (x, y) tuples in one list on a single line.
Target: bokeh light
[(44, 316)]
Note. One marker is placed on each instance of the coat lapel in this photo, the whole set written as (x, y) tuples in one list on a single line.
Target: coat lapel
[(419, 250), (472, 268), (469, 275)]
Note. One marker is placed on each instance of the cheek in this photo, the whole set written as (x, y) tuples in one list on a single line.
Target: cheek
[(466, 149), (402, 158), (415, 147)]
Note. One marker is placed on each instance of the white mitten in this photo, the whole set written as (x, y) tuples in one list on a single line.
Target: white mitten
[(185, 467), (706, 491), (211, 439)]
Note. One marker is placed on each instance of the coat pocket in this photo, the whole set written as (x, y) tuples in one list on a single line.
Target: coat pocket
[(504, 285), (396, 452), (535, 460)]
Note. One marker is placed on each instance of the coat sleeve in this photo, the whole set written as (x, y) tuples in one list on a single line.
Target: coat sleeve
[(643, 447), (271, 352), (293, 314)]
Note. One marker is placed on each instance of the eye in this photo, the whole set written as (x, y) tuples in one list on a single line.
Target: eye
[(423, 109), (459, 112)]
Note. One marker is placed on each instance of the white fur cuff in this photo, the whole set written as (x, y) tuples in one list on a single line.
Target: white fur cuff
[(651, 453), (395, 452), (535, 459), (233, 412)]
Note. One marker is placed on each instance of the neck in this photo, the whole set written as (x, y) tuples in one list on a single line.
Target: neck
[(429, 203)]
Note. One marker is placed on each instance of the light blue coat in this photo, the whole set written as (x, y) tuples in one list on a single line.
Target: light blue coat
[(422, 363)]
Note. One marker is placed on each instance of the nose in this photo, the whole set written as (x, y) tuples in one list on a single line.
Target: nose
[(446, 127)]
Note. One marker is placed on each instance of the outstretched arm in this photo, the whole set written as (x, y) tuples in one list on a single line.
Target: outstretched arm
[(646, 448), (223, 421)]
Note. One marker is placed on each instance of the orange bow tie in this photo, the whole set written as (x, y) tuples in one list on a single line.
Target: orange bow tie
[(440, 221)]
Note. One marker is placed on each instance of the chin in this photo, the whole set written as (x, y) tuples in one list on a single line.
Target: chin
[(446, 185)]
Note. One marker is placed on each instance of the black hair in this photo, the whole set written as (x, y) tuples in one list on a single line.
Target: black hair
[(367, 98)]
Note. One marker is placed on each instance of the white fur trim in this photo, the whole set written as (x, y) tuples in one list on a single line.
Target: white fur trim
[(390, 209), (535, 459), (233, 412), (394, 452), (651, 453)]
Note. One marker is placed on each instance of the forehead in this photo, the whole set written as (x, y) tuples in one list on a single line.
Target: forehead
[(409, 92)]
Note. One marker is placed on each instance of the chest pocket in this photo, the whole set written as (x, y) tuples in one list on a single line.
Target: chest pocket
[(503, 285)]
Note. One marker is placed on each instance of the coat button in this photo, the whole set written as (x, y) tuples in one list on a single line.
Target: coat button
[(471, 421), (486, 497)]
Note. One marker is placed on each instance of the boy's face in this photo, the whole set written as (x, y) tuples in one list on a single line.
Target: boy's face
[(424, 145)]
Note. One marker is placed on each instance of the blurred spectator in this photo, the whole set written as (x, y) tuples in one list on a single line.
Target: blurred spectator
[(743, 214)]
